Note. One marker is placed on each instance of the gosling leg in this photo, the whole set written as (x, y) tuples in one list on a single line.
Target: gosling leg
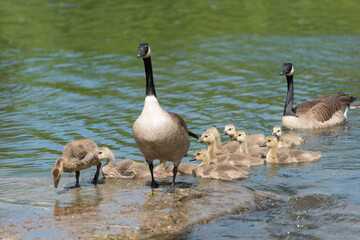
[(96, 177), (154, 184)]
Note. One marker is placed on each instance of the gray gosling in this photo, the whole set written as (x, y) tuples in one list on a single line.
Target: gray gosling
[(321, 112), (184, 169), (159, 134), (287, 155), (223, 171), (77, 155), (126, 168), (252, 139), (288, 140)]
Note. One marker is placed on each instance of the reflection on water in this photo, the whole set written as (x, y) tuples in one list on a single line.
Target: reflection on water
[(69, 71), (80, 204)]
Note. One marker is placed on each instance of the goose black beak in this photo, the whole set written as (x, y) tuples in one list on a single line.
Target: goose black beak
[(263, 145), (56, 183), (200, 140), (233, 139), (141, 52), (193, 160), (282, 73)]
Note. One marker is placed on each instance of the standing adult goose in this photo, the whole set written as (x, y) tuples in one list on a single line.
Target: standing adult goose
[(286, 155), (77, 155), (288, 140), (321, 112), (159, 134), (223, 171)]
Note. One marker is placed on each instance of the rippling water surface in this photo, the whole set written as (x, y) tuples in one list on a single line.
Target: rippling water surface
[(69, 71)]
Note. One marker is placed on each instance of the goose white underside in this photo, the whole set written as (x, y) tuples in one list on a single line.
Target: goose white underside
[(157, 135)]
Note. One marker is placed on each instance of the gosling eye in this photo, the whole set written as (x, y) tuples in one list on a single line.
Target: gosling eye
[(239, 135), (269, 140), (198, 154), (206, 136), (100, 152), (229, 129), (278, 130)]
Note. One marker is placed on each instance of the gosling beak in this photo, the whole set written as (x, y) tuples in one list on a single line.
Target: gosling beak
[(56, 183), (263, 145), (193, 160), (200, 140), (274, 134), (225, 133), (233, 139)]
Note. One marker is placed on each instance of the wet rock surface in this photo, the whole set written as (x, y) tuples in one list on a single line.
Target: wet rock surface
[(118, 209)]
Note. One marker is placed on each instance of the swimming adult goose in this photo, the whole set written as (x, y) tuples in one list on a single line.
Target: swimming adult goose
[(223, 171), (252, 139), (77, 155), (287, 155), (159, 134), (321, 112), (288, 140)]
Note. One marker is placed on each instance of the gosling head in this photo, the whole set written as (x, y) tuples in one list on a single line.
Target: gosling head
[(239, 136), (200, 155), (277, 132), (287, 69), (57, 171), (144, 50), (207, 137), (105, 153), (270, 142), (230, 130)]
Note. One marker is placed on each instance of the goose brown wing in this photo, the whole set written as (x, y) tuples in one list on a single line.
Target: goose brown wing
[(325, 110), (306, 106)]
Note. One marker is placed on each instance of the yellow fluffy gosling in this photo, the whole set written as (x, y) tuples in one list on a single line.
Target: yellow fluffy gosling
[(223, 171), (286, 155)]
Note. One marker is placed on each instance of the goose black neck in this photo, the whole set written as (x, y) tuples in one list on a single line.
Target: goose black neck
[(150, 87), (288, 109)]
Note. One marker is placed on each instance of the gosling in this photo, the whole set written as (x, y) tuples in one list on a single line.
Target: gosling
[(287, 141), (223, 171), (287, 156), (252, 139), (77, 155), (126, 168)]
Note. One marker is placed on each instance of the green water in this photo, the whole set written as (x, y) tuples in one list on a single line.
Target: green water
[(68, 70)]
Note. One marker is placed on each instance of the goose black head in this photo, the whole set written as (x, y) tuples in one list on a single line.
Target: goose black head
[(144, 50), (287, 69)]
